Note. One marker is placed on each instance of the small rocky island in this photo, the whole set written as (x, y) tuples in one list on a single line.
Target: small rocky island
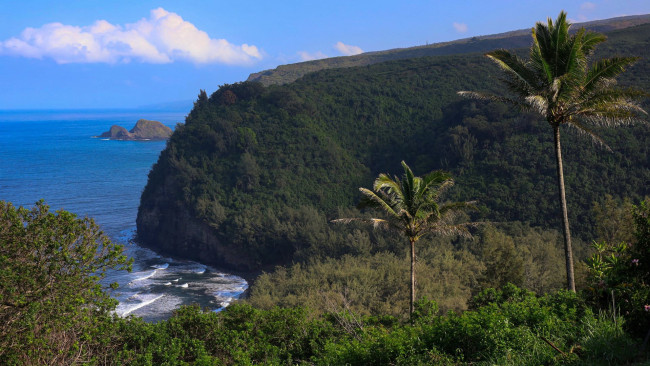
[(143, 130)]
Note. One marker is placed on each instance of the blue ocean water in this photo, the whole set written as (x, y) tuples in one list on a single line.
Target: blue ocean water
[(52, 155)]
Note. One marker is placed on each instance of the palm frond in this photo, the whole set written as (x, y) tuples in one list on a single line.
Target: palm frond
[(451, 230), (542, 39), (613, 119), (537, 103), (590, 40), (582, 128), (383, 181), (574, 62), (376, 223), (606, 69), (441, 189), (572, 69), (487, 97), (514, 66), (435, 179), (610, 103), (559, 36), (409, 185), (540, 65), (372, 200)]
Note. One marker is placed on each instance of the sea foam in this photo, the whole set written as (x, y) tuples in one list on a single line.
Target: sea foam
[(131, 308)]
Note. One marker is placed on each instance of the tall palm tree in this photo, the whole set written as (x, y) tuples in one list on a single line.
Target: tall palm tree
[(412, 208), (558, 82)]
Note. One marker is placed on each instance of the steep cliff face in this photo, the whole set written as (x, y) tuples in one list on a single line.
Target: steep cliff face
[(225, 190), (168, 226)]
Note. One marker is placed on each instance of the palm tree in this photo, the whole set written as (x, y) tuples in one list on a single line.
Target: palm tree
[(557, 82), (412, 208)]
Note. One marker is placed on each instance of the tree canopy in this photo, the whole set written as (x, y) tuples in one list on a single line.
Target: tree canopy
[(51, 265), (413, 208), (557, 82), (240, 184)]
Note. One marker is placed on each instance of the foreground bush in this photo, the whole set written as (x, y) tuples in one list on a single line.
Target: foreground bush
[(506, 327), (53, 309), (620, 274)]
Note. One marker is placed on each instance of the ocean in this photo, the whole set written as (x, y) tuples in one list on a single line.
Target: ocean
[(52, 155)]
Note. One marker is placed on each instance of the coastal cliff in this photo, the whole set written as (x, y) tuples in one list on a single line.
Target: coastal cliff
[(168, 226)]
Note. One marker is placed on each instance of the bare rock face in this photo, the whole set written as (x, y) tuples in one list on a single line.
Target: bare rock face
[(143, 130)]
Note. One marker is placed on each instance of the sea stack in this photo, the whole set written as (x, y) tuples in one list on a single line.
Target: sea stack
[(143, 130)]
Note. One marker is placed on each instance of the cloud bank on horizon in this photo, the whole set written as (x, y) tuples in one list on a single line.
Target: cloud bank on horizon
[(162, 38), (342, 48), (460, 27), (348, 50)]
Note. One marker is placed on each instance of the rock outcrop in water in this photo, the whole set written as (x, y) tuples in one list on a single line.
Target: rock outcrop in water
[(143, 130)]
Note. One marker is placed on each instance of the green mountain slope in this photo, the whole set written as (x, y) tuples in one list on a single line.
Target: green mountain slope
[(521, 38), (255, 173)]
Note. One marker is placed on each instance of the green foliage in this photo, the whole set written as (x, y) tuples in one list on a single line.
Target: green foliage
[(233, 176), (506, 327), (55, 260), (52, 305), (515, 253), (558, 82), (241, 335), (450, 270), (614, 220), (620, 274), (412, 208), (374, 285), (510, 328)]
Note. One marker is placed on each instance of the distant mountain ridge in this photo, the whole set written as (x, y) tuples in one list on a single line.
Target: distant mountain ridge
[(510, 40)]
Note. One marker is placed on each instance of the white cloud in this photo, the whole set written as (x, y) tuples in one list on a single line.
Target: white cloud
[(307, 56), (587, 6), (460, 27), (347, 50), (164, 37)]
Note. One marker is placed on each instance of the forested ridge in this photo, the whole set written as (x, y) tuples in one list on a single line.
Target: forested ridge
[(252, 177), (514, 39)]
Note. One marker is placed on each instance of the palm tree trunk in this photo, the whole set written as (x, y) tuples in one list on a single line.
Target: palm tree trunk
[(412, 304), (568, 252)]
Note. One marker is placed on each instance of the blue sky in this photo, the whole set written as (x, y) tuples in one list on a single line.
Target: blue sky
[(72, 54)]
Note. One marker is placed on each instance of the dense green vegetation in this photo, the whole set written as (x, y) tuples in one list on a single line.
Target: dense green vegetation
[(505, 326), (252, 178), (51, 302), (558, 82), (412, 208)]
